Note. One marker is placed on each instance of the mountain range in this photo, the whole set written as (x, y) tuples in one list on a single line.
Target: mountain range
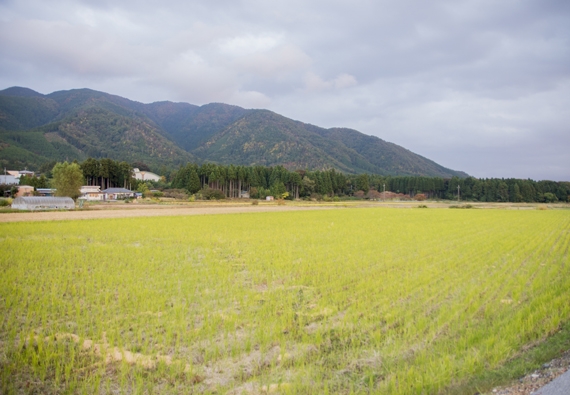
[(81, 123)]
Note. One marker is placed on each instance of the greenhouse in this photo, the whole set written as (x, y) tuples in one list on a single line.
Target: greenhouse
[(43, 203)]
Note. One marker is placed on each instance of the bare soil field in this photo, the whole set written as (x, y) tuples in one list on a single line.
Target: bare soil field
[(123, 211), (153, 209)]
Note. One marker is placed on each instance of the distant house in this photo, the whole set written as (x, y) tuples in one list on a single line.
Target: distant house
[(91, 192), (8, 179), (145, 175), (43, 203), (46, 191), (20, 173), (117, 193), (269, 198), (244, 194), (25, 190)]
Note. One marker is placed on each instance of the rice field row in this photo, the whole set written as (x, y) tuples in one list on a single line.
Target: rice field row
[(338, 301)]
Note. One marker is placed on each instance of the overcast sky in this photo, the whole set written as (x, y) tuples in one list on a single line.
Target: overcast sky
[(481, 86)]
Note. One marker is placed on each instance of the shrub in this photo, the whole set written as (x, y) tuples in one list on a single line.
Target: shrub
[(359, 194), (316, 196), (211, 194), (281, 202), (549, 197), (422, 206), (5, 202), (420, 197), (178, 194), (255, 202), (373, 195)]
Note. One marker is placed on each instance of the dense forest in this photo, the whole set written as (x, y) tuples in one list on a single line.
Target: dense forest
[(261, 181)]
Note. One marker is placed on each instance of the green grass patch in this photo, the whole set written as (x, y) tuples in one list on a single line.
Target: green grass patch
[(517, 367)]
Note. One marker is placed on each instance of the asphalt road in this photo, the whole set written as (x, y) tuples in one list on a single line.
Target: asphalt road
[(558, 386)]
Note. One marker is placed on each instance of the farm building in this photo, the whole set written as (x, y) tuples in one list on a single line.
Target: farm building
[(91, 192), (20, 173), (117, 193), (145, 175), (43, 203), (25, 190), (8, 179), (46, 191)]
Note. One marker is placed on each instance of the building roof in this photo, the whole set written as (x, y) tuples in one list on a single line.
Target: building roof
[(116, 190), (43, 199), (90, 189), (42, 202)]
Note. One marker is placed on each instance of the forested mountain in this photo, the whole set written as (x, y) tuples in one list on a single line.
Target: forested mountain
[(82, 123)]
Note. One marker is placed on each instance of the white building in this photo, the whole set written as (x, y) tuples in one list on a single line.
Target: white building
[(145, 175), (117, 193), (91, 192), (8, 180)]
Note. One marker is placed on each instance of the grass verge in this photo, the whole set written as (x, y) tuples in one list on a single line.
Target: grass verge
[(524, 363)]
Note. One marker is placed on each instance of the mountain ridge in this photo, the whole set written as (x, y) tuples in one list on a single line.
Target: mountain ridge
[(80, 123)]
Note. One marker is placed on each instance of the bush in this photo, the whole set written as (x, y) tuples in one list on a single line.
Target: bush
[(281, 202), (548, 197), (211, 194), (255, 202), (420, 197), (373, 195), (422, 206), (178, 194), (316, 197), (5, 202), (359, 194), (463, 206)]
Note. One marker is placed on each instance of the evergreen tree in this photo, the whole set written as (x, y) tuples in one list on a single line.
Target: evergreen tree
[(193, 181)]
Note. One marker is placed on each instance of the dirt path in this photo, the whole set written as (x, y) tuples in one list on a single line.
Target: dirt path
[(121, 210), (146, 211)]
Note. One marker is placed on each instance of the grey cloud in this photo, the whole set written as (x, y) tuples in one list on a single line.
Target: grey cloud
[(453, 81)]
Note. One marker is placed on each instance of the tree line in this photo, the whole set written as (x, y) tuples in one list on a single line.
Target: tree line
[(481, 189), (261, 181), (232, 181), (107, 173)]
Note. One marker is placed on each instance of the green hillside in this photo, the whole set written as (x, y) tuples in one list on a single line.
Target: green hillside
[(75, 125), (265, 138), (82, 123)]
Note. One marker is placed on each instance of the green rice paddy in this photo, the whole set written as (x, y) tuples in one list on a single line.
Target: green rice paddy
[(345, 301)]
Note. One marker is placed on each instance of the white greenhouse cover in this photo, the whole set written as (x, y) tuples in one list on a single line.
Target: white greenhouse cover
[(43, 203)]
